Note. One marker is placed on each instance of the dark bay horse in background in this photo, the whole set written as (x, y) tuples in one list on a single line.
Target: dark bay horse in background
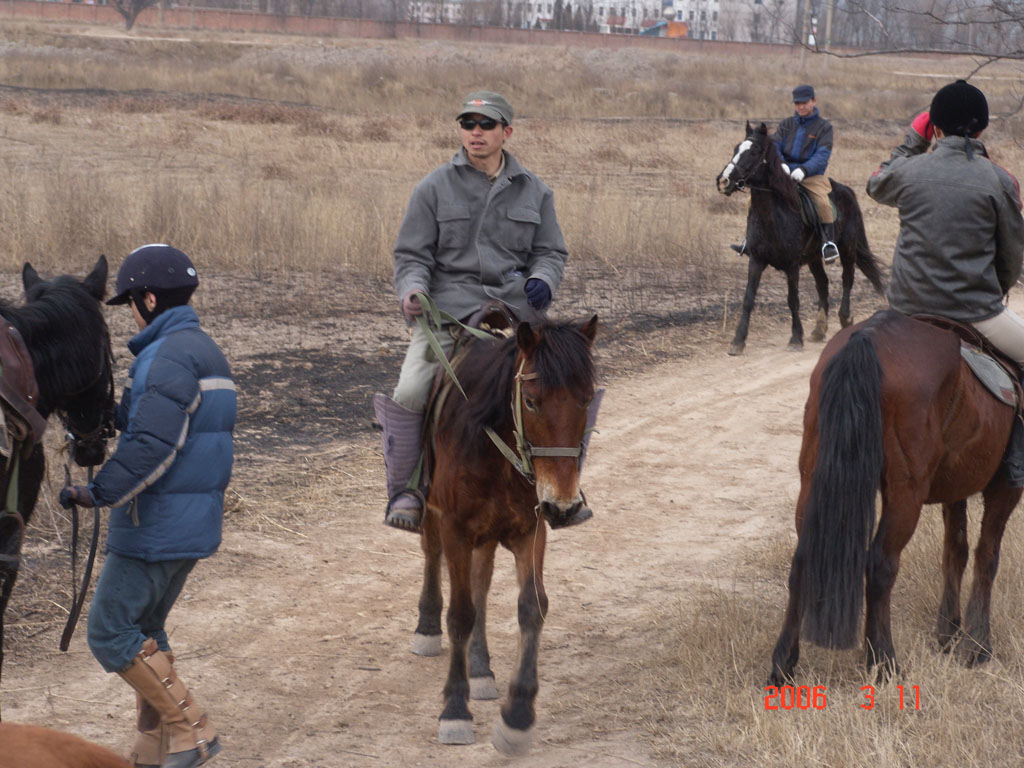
[(893, 407), (62, 325), (778, 237), (479, 499)]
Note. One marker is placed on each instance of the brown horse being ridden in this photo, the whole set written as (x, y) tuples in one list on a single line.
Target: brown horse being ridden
[(893, 407), (532, 391)]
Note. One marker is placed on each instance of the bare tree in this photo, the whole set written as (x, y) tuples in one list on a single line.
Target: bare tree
[(131, 9)]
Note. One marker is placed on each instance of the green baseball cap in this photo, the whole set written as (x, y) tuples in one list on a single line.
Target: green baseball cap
[(488, 104)]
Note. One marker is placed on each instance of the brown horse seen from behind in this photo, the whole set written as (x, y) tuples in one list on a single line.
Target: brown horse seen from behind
[(894, 408), (532, 392)]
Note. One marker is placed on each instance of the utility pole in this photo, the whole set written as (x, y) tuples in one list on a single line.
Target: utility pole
[(803, 32)]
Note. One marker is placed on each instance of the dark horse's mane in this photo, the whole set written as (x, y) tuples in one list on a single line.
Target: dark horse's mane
[(55, 310), (778, 181), (561, 359)]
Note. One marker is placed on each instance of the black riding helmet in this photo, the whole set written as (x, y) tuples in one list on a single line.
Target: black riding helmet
[(960, 109), (160, 269)]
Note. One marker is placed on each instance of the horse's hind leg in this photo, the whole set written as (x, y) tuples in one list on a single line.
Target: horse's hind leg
[(845, 313), (787, 648), (755, 268), (1000, 500), (513, 732), (455, 725), (900, 514), (821, 284), (796, 340), (427, 640), (481, 678), (954, 561)]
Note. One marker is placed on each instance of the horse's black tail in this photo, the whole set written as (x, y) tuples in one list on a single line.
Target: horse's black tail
[(840, 514), (866, 261)]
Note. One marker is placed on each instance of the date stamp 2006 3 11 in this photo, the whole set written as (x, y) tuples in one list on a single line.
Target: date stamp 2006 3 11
[(805, 697)]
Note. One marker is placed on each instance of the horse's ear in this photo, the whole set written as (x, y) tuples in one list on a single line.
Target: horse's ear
[(762, 128), (589, 329), (526, 338), (96, 281), (29, 276), (749, 129)]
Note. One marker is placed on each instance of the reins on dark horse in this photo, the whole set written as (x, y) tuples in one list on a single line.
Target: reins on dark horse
[(479, 499), (893, 407), (62, 325), (778, 237)]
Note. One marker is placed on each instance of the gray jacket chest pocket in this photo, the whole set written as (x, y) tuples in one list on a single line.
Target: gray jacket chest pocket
[(452, 226), (520, 227)]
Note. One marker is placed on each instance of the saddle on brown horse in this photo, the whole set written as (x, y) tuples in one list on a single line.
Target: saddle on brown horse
[(20, 422)]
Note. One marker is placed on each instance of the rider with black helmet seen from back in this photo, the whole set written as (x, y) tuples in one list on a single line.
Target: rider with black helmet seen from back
[(165, 486), (961, 239)]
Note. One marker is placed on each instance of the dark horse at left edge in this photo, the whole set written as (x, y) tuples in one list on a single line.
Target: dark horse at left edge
[(62, 326), (893, 408), (777, 236)]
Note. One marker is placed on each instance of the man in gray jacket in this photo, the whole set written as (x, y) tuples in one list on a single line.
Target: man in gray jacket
[(961, 240), (479, 228)]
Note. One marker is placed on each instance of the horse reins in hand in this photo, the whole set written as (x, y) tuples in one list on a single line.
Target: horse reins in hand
[(78, 596)]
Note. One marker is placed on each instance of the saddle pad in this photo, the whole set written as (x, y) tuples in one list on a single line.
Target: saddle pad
[(990, 373)]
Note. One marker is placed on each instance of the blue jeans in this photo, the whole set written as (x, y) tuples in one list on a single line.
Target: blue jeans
[(131, 603)]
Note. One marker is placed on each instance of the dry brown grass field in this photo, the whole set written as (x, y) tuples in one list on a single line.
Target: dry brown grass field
[(283, 165)]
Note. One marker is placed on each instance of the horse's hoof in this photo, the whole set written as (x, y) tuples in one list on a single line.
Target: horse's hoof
[(817, 336), (736, 349), (795, 346), (977, 656), (426, 645), (846, 321), (455, 732), (511, 741), (483, 688)]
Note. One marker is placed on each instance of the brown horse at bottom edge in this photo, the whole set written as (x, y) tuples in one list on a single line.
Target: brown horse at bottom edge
[(479, 499), (31, 746), (894, 408)]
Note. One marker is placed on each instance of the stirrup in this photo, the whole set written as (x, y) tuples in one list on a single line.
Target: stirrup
[(405, 519), (829, 252)]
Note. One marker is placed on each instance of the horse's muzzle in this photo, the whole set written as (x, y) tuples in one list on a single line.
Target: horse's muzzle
[(89, 453), (558, 515)]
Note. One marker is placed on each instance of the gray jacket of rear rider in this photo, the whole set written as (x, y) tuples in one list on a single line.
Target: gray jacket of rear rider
[(961, 237), (465, 241)]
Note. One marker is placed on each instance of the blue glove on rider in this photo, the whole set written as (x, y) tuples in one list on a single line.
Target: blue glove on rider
[(75, 494), (538, 295)]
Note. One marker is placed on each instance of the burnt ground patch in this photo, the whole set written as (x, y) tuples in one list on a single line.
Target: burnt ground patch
[(308, 397)]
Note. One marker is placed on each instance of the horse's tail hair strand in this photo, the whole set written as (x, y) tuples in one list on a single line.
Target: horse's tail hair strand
[(840, 515)]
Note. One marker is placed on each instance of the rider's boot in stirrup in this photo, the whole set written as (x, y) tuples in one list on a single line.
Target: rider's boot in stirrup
[(402, 433), (829, 251)]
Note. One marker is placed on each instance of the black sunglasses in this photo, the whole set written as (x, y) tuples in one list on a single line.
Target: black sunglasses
[(486, 124)]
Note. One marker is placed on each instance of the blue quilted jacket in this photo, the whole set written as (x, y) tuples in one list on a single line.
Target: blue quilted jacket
[(165, 482)]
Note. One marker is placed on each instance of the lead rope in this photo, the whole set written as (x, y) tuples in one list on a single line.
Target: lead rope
[(78, 597)]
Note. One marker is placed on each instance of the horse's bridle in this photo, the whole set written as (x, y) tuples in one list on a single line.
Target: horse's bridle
[(522, 458)]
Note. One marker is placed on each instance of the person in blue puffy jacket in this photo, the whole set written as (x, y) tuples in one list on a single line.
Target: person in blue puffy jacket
[(165, 486)]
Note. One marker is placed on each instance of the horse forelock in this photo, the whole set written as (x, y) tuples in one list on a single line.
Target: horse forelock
[(66, 336), (561, 359)]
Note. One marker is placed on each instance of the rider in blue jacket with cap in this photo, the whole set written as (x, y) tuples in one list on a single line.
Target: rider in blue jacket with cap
[(165, 485)]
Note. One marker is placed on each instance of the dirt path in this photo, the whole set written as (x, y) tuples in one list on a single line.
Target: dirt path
[(297, 636)]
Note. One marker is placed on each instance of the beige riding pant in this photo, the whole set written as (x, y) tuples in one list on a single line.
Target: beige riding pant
[(818, 188), (419, 368), (1006, 333)]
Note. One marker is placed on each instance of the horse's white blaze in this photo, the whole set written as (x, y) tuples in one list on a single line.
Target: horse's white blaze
[(743, 147)]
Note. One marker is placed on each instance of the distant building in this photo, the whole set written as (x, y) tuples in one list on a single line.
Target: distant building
[(757, 21)]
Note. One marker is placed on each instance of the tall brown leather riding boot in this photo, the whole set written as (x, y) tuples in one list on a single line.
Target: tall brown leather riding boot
[(183, 736)]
